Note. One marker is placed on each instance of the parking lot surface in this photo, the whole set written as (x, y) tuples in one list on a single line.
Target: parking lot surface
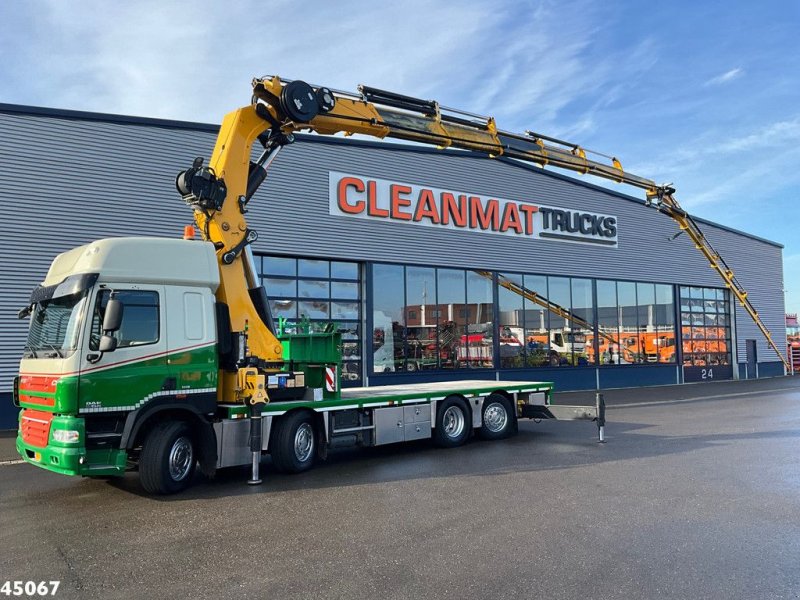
[(694, 498)]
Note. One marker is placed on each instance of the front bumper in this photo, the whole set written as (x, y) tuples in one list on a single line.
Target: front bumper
[(74, 461)]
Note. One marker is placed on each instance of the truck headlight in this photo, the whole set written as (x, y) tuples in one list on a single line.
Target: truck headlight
[(66, 436)]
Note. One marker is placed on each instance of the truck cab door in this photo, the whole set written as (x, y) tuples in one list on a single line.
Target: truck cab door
[(136, 370), (191, 333)]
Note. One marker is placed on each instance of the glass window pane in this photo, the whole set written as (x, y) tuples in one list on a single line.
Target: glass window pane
[(344, 310), (283, 308), (559, 294), (451, 299), (318, 326), (582, 322), (313, 268), (351, 370), (350, 330), (388, 291), (665, 313), (314, 309), (665, 324), (422, 319), (276, 265), (344, 270), (558, 288), (351, 350), (340, 289), (310, 288), (630, 351), (608, 323), (280, 288), (537, 322), (512, 326), (140, 319), (647, 338), (480, 323)]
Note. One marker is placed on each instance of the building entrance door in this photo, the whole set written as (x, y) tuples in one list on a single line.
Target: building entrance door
[(752, 359)]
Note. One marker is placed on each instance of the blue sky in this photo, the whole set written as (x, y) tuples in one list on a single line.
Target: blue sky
[(702, 94)]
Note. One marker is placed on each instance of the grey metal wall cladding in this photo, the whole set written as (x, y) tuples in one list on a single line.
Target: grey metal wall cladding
[(68, 181)]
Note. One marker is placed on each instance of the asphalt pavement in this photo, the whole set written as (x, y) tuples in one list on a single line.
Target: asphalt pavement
[(689, 498)]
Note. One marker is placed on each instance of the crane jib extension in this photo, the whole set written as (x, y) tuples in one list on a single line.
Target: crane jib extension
[(284, 107)]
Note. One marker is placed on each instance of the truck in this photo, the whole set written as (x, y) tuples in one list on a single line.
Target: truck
[(162, 356), (123, 363)]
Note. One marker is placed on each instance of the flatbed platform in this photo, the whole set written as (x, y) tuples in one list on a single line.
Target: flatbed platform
[(412, 393), (440, 389)]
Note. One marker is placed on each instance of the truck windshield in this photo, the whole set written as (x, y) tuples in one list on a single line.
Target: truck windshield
[(55, 325), (577, 338)]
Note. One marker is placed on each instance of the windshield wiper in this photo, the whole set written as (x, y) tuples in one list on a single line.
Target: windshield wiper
[(56, 350), (30, 349)]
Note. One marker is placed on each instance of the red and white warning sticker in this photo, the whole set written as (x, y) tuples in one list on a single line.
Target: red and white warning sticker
[(330, 379)]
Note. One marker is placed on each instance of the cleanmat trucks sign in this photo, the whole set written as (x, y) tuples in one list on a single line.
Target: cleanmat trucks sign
[(378, 199)]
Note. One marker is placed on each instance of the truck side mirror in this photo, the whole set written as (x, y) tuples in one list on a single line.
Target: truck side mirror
[(107, 343), (113, 317)]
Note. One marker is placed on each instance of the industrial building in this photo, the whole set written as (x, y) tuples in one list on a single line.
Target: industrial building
[(436, 265)]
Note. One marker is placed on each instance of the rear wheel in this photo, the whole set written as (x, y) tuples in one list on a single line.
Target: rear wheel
[(294, 443), (498, 420), (452, 423), (168, 458)]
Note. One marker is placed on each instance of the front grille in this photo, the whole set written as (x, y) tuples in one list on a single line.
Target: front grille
[(35, 427)]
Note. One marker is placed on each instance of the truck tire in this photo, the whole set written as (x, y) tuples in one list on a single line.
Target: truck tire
[(168, 458), (497, 418), (452, 423), (293, 443)]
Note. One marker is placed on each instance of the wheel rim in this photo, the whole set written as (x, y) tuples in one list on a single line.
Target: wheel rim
[(181, 458), (453, 422), (304, 442), (495, 417)]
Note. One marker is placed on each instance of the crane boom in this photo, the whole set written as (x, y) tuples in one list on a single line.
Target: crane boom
[(219, 193)]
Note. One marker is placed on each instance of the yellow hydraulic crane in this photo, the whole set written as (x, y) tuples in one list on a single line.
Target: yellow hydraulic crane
[(219, 192)]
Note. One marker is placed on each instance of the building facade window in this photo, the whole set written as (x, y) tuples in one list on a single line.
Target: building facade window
[(427, 318), (321, 291), (545, 321), (705, 326), (430, 318), (635, 323)]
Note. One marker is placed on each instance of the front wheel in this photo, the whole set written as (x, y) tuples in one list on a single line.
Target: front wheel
[(168, 458), (294, 443)]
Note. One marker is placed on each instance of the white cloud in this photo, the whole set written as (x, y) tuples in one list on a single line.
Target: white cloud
[(726, 77), (716, 167), (522, 62)]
